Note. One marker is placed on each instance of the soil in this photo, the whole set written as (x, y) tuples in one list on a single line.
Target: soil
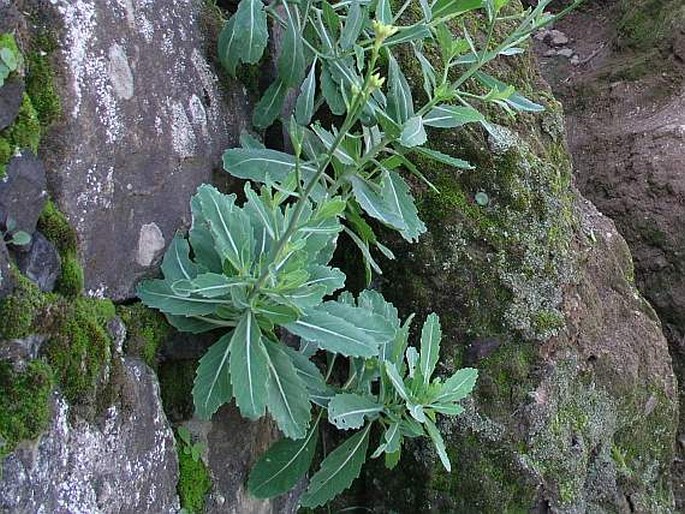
[(625, 120)]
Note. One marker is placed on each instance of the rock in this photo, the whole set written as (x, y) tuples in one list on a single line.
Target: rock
[(11, 95), (41, 263), (557, 38), (22, 350), (22, 193), (145, 122), (550, 53), (126, 462), (6, 279), (565, 52), (575, 60)]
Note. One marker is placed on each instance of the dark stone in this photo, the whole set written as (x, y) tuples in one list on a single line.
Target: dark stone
[(6, 279), (23, 192), (480, 349), (41, 263), (11, 95), (145, 123)]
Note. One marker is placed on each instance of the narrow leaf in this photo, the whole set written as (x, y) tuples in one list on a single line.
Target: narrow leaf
[(430, 346), (291, 64), (304, 108), (269, 107), (444, 158), (439, 444), (212, 386), (450, 116), (248, 367)]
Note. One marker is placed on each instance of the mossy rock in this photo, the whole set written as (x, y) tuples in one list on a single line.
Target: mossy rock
[(194, 482), (146, 330), (24, 402)]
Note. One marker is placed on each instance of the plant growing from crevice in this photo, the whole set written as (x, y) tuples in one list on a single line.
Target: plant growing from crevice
[(261, 270)]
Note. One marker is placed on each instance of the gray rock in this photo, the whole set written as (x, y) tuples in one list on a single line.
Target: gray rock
[(6, 280), (11, 95), (41, 263), (565, 52), (22, 193), (20, 351), (145, 122), (557, 38), (126, 462)]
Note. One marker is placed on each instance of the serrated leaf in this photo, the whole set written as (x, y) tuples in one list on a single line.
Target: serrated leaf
[(283, 465), (248, 365), (413, 133), (176, 264), (514, 100), (287, 397), (430, 346), (400, 101), (375, 325), (439, 444), (444, 158), (212, 387), (369, 197), (348, 411), (397, 193), (451, 116), (338, 470), (159, 295), (304, 108), (458, 386), (334, 334), (291, 63), (269, 107)]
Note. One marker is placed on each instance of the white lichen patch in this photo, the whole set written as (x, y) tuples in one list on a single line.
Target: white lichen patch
[(150, 244), (182, 134), (98, 192), (120, 72)]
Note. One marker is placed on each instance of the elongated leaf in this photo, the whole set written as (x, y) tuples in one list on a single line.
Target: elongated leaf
[(252, 32), (413, 133), (338, 470), (260, 165), (400, 102), (348, 411), (396, 192), (201, 239), (194, 325), (331, 278), (304, 108), (176, 264), (328, 140), (287, 397), (269, 107), (331, 92), (453, 7), (515, 100), (208, 285), (449, 409), (353, 25), (417, 32), (371, 200), (444, 158), (248, 365), (429, 79), (396, 380), (334, 334), (212, 386), (439, 444), (375, 325), (283, 465), (307, 371), (291, 65), (384, 12), (458, 386), (159, 295), (228, 47), (430, 346), (450, 116)]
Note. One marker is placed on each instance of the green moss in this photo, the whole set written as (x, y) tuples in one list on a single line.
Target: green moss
[(80, 346), (24, 402), (22, 312), (40, 86), (194, 482), (146, 330), (55, 226), (23, 133)]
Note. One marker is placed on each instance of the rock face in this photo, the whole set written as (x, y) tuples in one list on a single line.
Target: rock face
[(23, 192), (126, 462), (144, 124), (41, 263)]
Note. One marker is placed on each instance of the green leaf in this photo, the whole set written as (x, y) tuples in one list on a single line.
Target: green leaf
[(252, 31), (21, 238), (413, 133), (417, 32), (201, 239), (277, 314), (430, 346), (283, 465), (375, 325), (291, 64), (347, 411), (328, 140), (208, 285), (228, 46), (248, 365), (458, 386), (159, 295), (444, 8), (334, 334), (338, 470), (448, 409), (176, 264), (515, 100), (397, 193), (287, 397), (331, 92), (444, 158), (331, 278), (269, 107), (384, 12), (396, 380), (439, 444), (400, 102), (304, 108), (429, 79), (450, 116), (260, 165), (369, 197), (9, 58), (353, 25), (212, 386)]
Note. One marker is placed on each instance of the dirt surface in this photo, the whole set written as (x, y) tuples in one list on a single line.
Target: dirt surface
[(625, 118)]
